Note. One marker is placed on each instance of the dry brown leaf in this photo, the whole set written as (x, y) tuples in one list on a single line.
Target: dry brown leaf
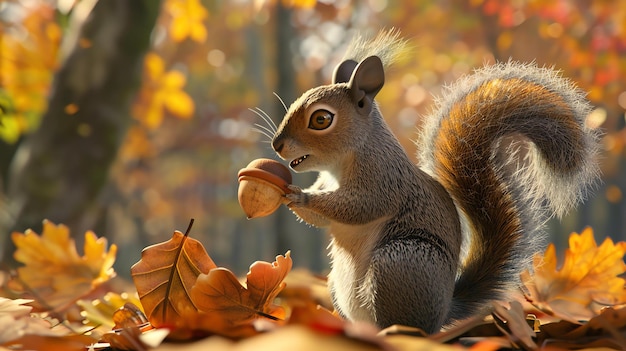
[(14, 308), (165, 275), (15, 320), (51, 343), (516, 328), (228, 308), (133, 331), (606, 329), (181, 288), (587, 280), (21, 330), (54, 272)]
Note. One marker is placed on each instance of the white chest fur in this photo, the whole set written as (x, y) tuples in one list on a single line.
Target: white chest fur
[(350, 277)]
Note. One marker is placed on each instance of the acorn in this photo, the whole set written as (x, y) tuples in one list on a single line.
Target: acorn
[(262, 187)]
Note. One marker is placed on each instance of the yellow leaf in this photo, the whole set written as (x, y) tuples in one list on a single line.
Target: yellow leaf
[(179, 104), (100, 312), (179, 29), (304, 4), (587, 279), (198, 33), (154, 66), (173, 80), (54, 270), (161, 90), (9, 129), (187, 20), (28, 60)]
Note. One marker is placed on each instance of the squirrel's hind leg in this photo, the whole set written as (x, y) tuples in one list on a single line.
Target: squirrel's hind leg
[(408, 285)]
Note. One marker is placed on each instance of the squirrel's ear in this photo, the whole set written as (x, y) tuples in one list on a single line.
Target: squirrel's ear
[(366, 81), (343, 71)]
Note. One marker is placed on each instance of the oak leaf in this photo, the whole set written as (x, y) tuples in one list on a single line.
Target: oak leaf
[(165, 275), (587, 279), (53, 269), (229, 308), (181, 288)]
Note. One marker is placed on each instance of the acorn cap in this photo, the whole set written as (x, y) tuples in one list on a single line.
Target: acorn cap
[(269, 170)]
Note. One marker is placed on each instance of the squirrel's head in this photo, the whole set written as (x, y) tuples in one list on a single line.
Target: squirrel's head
[(326, 123)]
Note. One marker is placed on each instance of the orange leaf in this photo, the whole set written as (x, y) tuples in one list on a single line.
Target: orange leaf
[(227, 305), (51, 343), (165, 275), (54, 270), (587, 277)]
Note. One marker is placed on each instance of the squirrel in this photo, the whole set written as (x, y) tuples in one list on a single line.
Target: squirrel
[(430, 242)]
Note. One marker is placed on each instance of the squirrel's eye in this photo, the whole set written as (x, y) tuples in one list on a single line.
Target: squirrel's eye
[(321, 119)]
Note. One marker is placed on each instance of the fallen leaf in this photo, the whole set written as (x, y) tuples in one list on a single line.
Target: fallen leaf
[(14, 308), (21, 330), (605, 330), (132, 331), (54, 272), (15, 320), (304, 286), (100, 312), (513, 323), (51, 343), (165, 275), (228, 308), (587, 280)]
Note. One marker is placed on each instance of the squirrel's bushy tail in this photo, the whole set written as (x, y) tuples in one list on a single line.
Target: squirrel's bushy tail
[(507, 192)]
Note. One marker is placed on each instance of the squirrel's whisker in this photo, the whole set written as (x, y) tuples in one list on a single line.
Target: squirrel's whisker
[(266, 118), (262, 131), (281, 101), (267, 131)]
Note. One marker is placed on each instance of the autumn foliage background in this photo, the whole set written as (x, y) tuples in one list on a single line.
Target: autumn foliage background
[(132, 135)]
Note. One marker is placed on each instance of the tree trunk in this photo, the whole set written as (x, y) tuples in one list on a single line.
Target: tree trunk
[(309, 243), (59, 171)]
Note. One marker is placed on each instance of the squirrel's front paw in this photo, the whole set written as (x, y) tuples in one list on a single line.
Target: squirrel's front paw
[(296, 197)]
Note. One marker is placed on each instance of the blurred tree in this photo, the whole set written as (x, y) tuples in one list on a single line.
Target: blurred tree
[(60, 169)]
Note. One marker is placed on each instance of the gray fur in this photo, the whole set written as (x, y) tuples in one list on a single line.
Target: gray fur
[(387, 45)]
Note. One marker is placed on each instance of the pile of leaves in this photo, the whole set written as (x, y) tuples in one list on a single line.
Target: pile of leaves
[(59, 300)]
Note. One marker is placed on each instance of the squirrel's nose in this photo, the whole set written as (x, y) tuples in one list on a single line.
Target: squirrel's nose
[(278, 144)]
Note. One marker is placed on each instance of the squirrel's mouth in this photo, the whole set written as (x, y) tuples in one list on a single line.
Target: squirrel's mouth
[(298, 161)]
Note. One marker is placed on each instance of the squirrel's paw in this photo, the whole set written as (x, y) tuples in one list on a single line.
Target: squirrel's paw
[(296, 197)]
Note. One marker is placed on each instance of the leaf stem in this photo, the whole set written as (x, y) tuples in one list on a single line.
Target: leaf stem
[(269, 316), (173, 271)]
